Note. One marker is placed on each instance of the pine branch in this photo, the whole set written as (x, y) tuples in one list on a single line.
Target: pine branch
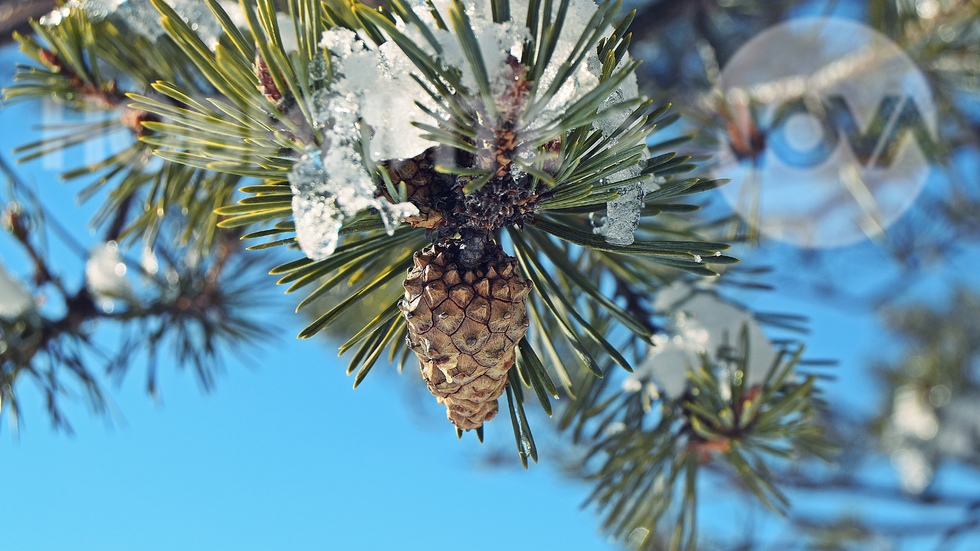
[(178, 306)]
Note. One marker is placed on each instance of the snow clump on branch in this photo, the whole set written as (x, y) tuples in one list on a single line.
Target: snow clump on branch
[(373, 85)]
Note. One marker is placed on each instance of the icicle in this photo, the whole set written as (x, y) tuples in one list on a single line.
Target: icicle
[(330, 189), (623, 216), (627, 90), (317, 225)]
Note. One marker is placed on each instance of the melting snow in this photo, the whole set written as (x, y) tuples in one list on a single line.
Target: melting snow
[(105, 275), (701, 323), (323, 201), (15, 301), (144, 19)]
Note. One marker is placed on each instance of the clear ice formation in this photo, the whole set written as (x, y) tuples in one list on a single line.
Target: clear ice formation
[(323, 200)]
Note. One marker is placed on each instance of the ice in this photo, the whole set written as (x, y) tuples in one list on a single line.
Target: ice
[(626, 91), (15, 301), (623, 213), (583, 79), (623, 216), (393, 214), (197, 14), (317, 225), (497, 42), (54, 18), (141, 17), (372, 90), (95, 10), (324, 199)]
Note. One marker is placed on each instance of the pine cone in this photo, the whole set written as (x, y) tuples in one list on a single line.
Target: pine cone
[(422, 183), (463, 324)]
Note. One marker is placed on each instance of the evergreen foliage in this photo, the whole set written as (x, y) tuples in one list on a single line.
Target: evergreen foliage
[(221, 126)]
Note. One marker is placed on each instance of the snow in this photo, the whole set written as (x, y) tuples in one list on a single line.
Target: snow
[(149, 261), (323, 201), (912, 416), (922, 431), (287, 32), (914, 469), (332, 185), (373, 83), (144, 19), (376, 78), (373, 86), (15, 301), (701, 323), (911, 435), (105, 275)]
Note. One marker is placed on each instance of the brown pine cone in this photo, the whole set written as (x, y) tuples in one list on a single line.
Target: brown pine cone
[(463, 324), (419, 176)]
